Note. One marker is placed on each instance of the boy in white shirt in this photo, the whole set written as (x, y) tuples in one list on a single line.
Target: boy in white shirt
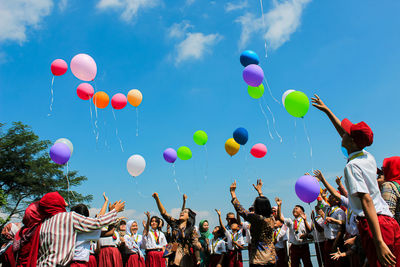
[(280, 237)]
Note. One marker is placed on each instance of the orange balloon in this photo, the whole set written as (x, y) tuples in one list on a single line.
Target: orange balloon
[(135, 97), (101, 99)]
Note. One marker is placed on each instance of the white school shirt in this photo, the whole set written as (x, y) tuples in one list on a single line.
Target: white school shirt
[(281, 236), (238, 237), (351, 218), (133, 244), (149, 241), (331, 229), (360, 177), (82, 245), (217, 246), (246, 227), (113, 240), (318, 236), (294, 235)]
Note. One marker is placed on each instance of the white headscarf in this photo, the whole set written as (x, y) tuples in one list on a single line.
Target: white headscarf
[(129, 236)]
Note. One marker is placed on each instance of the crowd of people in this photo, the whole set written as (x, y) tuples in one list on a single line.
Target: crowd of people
[(355, 224)]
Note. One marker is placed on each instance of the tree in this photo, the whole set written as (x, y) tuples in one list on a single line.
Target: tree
[(27, 172)]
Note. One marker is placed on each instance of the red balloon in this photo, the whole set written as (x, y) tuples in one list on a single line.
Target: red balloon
[(259, 150), (119, 101), (59, 67), (85, 91)]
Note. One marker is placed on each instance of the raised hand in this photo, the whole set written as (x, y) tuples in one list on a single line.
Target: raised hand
[(218, 212), (119, 206), (318, 174), (105, 197), (324, 193), (338, 180), (258, 187), (303, 216), (144, 224), (155, 195), (147, 214), (184, 197), (278, 201), (318, 103), (232, 188)]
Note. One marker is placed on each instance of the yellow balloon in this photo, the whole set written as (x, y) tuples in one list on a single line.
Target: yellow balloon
[(135, 97), (231, 147)]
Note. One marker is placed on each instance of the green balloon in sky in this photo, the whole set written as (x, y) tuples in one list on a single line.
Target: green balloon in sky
[(200, 137), (256, 92), (297, 104), (184, 153)]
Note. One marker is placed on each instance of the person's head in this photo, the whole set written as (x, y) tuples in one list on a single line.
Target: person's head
[(235, 225), (52, 203), (262, 206), (81, 209), (391, 169), (251, 209), (203, 226), (278, 224), (297, 211), (229, 217), (10, 230), (161, 224), (218, 232), (333, 201), (122, 226), (319, 211), (154, 222), (274, 211), (131, 227), (357, 136)]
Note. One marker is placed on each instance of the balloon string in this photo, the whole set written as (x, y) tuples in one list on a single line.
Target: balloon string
[(269, 90), (266, 118), (309, 143), (137, 122), (176, 182), (137, 189), (66, 175), (295, 138), (206, 172), (116, 131), (316, 236), (95, 108), (52, 97), (273, 121), (91, 117), (265, 40)]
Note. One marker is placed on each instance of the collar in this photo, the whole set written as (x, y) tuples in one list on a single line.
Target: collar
[(352, 155)]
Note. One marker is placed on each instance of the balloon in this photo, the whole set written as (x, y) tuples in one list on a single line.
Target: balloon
[(200, 137), (85, 91), (249, 57), (344, 151), (84, 67), (67, 142), (256, 92), (297, 104), (58, 67), (241, 136), (253, 75), (231, 147), (60, 153), (285, 94), (307, 188), (135, 165), (135, 97), (184, 153), (118, 101), (259, 150), (101, 99), (170, 155)]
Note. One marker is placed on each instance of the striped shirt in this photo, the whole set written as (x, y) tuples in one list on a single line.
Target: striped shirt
[(58, 235)]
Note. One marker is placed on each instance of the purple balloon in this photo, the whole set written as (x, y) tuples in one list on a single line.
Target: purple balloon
[(170, 155), (253, 75), (307, 188), (60, 153)]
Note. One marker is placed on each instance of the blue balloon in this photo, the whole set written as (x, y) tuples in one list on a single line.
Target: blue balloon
[(344, 151), (249, 57), (241, 136)]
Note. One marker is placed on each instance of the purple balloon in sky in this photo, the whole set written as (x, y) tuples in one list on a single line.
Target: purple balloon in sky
[(253, 75), (170, 155), (307, 188), (60, 153)]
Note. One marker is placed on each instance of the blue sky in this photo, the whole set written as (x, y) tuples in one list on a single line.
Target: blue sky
[(184, 57)]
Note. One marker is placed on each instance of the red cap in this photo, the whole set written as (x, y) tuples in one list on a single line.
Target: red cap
[(360, 132)]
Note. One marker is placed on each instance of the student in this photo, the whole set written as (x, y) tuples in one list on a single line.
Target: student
[(7, 258), (379, 232), (217, 248), (390, 188), (132, 242), (235, 242), (280, 238), (109, 253), (317, 227), (262, 251), (204, 239), (298, 230), (154, 242)]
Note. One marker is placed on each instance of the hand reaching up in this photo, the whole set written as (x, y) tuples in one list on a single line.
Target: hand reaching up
[(338, 180), (184, 197), (105, 197), (119, 206), (155, 195), (232, 188), (258, 187), (218, 212), (318, 174), (318, 103), (278, 201)]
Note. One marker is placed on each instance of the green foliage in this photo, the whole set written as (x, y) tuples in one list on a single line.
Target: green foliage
[(27, 172)]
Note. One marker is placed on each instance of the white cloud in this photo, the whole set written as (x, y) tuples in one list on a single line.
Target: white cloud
[(16, 16), (62, 5), (195, 45), (280, 22), (178, 30), (128, 8), (230, 6), (190, 2)]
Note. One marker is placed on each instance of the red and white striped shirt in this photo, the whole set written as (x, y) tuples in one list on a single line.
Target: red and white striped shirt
[(58, 235)]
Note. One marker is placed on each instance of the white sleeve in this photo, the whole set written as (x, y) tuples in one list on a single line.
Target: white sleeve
[(163, 240), (355, 180), (344, 201), (223, 247), (341, 215), (288, 222)]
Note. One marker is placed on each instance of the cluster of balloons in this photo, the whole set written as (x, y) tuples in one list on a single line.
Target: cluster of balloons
[(135, 165), (170, 155), (240, 137), (61, 151), (83, 67), (253, 74), (296, 103), (307, 188)]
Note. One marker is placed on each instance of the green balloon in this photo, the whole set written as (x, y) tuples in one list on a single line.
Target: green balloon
[(256, 92), (184, 153), (297, 104), (200, 137)]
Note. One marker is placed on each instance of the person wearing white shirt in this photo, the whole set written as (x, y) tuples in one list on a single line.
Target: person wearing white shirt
[(379, 231), (217, 247), (132, 242), (154, 242), (280, 237)]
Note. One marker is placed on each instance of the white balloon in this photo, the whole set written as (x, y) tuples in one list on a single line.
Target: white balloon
[(135, 165), (67, 142), (285, 94)]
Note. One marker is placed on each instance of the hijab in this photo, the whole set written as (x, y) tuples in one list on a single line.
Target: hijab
[(391, 169), (204, 234)]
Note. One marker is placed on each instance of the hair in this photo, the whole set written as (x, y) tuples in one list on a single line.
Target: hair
[(161, 224), (81, 209), (220, 232), (157, 220), (300, 207), (262, 206), (191, 222), (230, 213), (122, 222)]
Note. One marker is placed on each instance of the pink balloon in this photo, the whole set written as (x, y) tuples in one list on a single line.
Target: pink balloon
[(59, 67), (85, 91), (119, 101), (84, 67), (259, 150)]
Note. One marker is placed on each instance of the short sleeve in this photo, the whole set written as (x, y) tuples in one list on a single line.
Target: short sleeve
[(163, 240), (341, 215), (355, 180), (288, 222), (344, 201), (222, 247)]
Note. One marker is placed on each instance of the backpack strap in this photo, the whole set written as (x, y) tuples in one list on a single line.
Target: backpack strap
[(397, 185)]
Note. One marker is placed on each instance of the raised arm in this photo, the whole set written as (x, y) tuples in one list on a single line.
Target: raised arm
[(258, 187), (279, 203), (308, 227), (221, 224), (331, 189), (104, 207), (341, 188), (184, 201), (147, 225), (160, 205), (319, 104)]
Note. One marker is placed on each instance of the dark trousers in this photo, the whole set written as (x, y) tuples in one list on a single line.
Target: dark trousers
[(300, 252), (282, 260), (320, 249)]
